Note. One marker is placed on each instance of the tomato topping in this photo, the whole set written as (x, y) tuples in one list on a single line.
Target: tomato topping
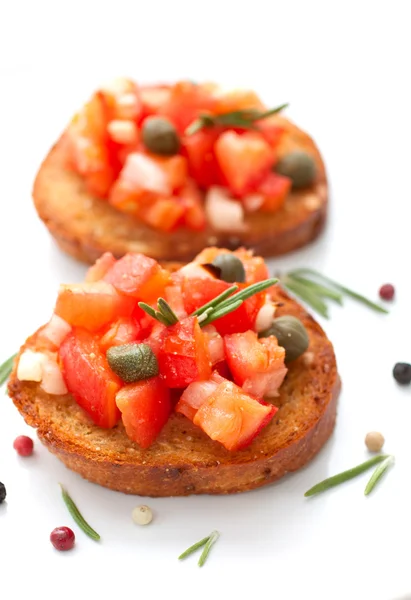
[(244, 159), (184, 356), (139, 276), (174, 169), (174, 298), (275, 189), (163, 213), (194, 215), (123, 331), (153, 98), (257, 365), (224, 412), (103, 264), (187, 100), (202, 162), (92, 305), (255, 268), (215, 344), (89, 378), (237, 100), (145, 407)]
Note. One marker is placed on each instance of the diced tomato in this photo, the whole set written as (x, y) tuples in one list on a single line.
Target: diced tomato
[(227, 415), (197, 292), (234, 100), (275, 189), (89, 146), (145, 407), (174, 169), (174, 298), (89, 378), (154, 98), (187, 100), (164, 214), (103, 264), (222, 368), (194, 396), (271, 130), (129, 199), (139, 276), (257, 365), (92, 305), (184, 356), (244, 159), (202, 162), (122, 331), (209, 254), (194, 214), (123, 99), (215, 344), (156, 337)]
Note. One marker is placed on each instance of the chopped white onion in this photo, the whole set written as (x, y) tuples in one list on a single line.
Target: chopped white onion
[(223, 212), (52, 381), (122, 131), (253, 202), (56, 330), (265, 317), (142, 172), (194, 270), (30, 367)]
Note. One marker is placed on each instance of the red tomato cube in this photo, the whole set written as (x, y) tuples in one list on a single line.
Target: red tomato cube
[(89, 378), (184, 356), (145, 407), (122, 331), (275, 189), (244, 159), (92, 305), (103, 264), (139, 276)]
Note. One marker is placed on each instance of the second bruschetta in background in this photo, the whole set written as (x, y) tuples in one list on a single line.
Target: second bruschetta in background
[(168, 170)]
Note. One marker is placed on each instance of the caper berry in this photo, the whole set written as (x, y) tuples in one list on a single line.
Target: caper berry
[(132, 362), (299, 166), (160, 136), (291, 335), (231, 268)]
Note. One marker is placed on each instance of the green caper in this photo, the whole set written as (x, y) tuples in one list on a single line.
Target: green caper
[(231, 268), (299, 166), (291, 335), (132, 362), (160, 136)]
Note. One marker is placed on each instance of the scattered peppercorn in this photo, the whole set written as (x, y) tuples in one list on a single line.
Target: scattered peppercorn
[(62, 538), (402, 373), (142, 515), (387, 291), (374, 440), (23, 445), (3, 493)]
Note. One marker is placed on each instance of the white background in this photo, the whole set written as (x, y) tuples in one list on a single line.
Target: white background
[(345, 69)]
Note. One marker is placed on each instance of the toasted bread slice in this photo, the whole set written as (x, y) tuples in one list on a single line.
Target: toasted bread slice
[(85, 227), (184, 460)]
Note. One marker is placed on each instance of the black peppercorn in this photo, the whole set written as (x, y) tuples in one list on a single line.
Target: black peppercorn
[(2, 492), (402, 373)]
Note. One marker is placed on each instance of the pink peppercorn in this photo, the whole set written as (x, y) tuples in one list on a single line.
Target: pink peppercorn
[(23, 445), (62, 538), (387, 291)]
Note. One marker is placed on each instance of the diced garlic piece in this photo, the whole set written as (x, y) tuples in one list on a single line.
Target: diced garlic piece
[(30, 367)]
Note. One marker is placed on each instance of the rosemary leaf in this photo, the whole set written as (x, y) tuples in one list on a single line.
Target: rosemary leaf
[(308, 296), (218, 313), (345, 475), (193, 548), (249, 291), (162, 319), (6, 368), (215, 301), (167, 311), (148, 309), (378, 473), (78, 518), (321, 290), (210, 542), (341, 288)]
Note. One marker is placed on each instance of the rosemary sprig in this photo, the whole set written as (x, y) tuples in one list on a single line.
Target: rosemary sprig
[(6, 368), (219, 307), (207, 543), (240, 119), (345, 475), (77, 516), (314, 288), (378, 473)]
